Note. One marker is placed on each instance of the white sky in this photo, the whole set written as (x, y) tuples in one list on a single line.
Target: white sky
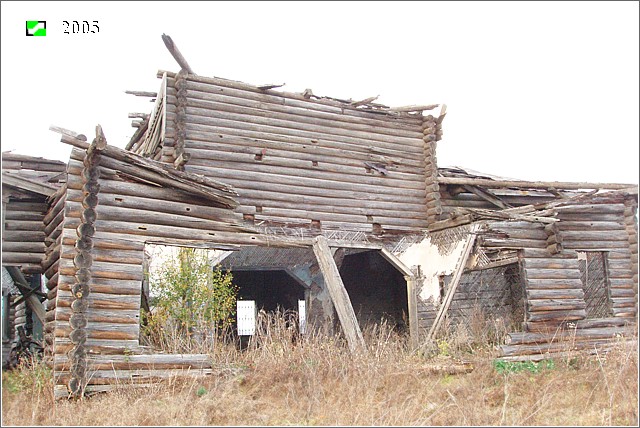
[(538, 91)]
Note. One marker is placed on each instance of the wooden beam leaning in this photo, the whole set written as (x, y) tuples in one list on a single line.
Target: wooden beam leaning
[(156, 172), (175, 53), (338, 294), (82, 262), (448, 298), (31, 299)]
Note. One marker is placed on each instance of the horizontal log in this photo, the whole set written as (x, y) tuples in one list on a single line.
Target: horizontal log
[(559, 315), (105, 270), (96, 330), (285, 122), (134, 362), (264, 159), (594, 246), (567, 216), (101, 377), (203, 144), (109, 286), (492, 184), (544, 348), (19, 259), (103, 316), (101, 301), (590, 225), (201, 123), (321, 173), (566, 273), (204, 96), (554, 328), (568, 293), (291, 187), (520, 338), (551, 263), (555, 304), (23, 225), (63, 345), (513, 243), (593, 210), (23, 236), (324, 104), (600, 235), (117, 213), (546, 283), (22, 247)]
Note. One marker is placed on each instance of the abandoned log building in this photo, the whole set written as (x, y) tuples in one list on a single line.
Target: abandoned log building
[(336, 203)]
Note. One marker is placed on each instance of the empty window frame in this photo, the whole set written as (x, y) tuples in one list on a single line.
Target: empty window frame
[(595, 283)]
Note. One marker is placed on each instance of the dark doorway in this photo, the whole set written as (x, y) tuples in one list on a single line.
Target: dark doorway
[(376, 289), (271, 289)]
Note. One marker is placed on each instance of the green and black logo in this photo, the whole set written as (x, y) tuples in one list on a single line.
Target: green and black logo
[(36, 28)]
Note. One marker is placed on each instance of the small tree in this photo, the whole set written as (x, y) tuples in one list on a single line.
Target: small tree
[(189, 295)]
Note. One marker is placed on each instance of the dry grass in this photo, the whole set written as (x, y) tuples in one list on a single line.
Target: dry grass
[(316, 381)]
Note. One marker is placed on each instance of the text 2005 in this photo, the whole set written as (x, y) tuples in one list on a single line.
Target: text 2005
[(80, 27)]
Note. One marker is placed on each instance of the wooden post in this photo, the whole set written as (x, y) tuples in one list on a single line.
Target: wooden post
[(338, 294), (460, 265)]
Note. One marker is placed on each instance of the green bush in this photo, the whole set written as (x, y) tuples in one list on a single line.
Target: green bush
[(190, 295)]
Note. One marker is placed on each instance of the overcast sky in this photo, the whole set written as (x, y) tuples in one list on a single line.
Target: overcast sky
[(538, 91)]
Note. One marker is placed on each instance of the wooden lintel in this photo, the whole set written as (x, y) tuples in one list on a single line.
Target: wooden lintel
[(338, 294)]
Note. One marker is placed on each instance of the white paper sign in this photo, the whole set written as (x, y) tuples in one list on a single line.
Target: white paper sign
[(246, 315), (302, 313)]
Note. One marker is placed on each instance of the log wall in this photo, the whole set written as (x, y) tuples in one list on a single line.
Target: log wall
[(301, 161), (555, 299), (127, 215), (23, 237)]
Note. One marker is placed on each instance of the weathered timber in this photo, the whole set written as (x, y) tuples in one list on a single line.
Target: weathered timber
[(338, 294), (455, 280), (532, 184)]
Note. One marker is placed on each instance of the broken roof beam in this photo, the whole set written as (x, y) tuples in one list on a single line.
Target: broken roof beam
[(156, 172), (23, 183), (487, 196), (175, 53), (142, 93), (414, 108), (533, 184)]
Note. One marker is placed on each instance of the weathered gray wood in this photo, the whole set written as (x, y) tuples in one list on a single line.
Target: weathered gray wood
[(237, 105), (175, 53), (289, 123), (532, 184), (243, 90), (21, 182), (339, 294), (31, 300), (453, 285)]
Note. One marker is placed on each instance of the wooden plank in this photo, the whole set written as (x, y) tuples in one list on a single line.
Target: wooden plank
[(338, 294), (533, 184), (455, 280)]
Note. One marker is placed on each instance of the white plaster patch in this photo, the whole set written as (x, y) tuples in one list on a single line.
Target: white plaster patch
[(433, 263)]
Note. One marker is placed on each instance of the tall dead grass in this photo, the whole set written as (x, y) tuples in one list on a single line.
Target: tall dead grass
[(283, 379)]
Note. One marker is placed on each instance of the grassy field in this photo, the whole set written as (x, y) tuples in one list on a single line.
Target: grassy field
[(318, 382)]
